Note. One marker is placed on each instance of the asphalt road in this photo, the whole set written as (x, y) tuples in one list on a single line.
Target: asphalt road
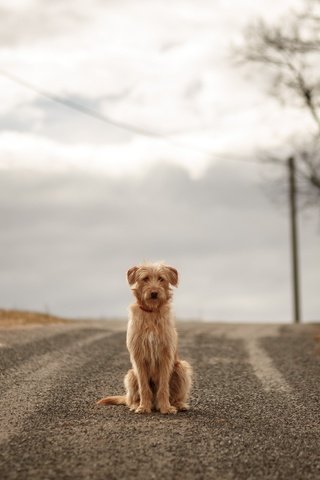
[(255, 406)]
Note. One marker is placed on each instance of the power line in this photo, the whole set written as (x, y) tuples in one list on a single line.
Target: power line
[(118, 124), (78, 107)]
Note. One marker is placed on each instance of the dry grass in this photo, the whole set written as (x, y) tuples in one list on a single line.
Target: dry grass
[(15, 318)]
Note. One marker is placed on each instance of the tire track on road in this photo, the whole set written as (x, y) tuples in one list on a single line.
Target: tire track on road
[(13, 356), (265, 369), (33, 381), (43, 445)]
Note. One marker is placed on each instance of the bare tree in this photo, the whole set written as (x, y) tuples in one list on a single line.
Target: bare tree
[(290, 52)]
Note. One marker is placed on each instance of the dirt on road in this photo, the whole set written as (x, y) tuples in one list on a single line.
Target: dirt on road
[(17, 318), (255, 408)]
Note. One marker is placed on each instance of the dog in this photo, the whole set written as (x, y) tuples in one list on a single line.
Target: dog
[(158, 379)]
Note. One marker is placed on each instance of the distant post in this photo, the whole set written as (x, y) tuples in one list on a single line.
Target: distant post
[(294, 239)]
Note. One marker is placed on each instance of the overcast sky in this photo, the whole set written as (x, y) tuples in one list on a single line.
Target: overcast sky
[(82, 200)]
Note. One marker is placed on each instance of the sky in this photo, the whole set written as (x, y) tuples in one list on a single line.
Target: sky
[(83, 200)]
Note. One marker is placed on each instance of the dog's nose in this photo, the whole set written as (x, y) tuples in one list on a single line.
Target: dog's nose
[(154, 295)]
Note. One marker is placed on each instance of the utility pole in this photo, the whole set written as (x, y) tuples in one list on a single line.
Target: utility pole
[(294, 239)]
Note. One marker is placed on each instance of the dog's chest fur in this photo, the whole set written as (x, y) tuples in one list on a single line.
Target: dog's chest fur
[(151, 339), (153, 342)]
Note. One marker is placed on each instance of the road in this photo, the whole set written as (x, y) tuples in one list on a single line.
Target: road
[(255, 406)]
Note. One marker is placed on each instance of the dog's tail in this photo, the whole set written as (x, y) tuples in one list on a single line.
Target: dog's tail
[(116, 400)]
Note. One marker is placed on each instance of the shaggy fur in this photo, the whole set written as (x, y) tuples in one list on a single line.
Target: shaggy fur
[(158, 380)]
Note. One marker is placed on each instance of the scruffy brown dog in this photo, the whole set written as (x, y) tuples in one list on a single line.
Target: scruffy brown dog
[(158, 380)]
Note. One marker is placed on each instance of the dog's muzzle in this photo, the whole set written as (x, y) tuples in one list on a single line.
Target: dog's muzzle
[(154, 295)]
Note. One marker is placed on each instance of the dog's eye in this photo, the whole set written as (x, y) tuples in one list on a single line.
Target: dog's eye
[(161, 279), (145, 279)]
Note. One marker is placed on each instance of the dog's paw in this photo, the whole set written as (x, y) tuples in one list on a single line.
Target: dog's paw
[(142, 409), (169, 409), (182, 407), (134, 407)]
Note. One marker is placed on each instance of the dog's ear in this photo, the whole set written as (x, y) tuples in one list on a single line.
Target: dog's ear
[(172, 275), (131, 275)]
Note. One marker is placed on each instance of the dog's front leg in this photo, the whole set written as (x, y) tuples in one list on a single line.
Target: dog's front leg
[(144, 390), (163, 402)]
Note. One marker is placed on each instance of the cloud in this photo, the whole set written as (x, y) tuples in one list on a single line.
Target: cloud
[(68, 240), (112, 55), (28, 21), (30, 151)]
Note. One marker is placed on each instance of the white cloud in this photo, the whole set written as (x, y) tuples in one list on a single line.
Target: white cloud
[(23, 151), (156, 65)]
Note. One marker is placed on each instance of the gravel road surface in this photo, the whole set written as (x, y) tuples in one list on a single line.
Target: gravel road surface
[(255, 406)]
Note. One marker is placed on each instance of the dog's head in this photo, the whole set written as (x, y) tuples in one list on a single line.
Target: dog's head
[(151, 282)]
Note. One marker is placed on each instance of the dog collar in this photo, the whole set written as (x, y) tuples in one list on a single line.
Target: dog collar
[(145, 309)]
